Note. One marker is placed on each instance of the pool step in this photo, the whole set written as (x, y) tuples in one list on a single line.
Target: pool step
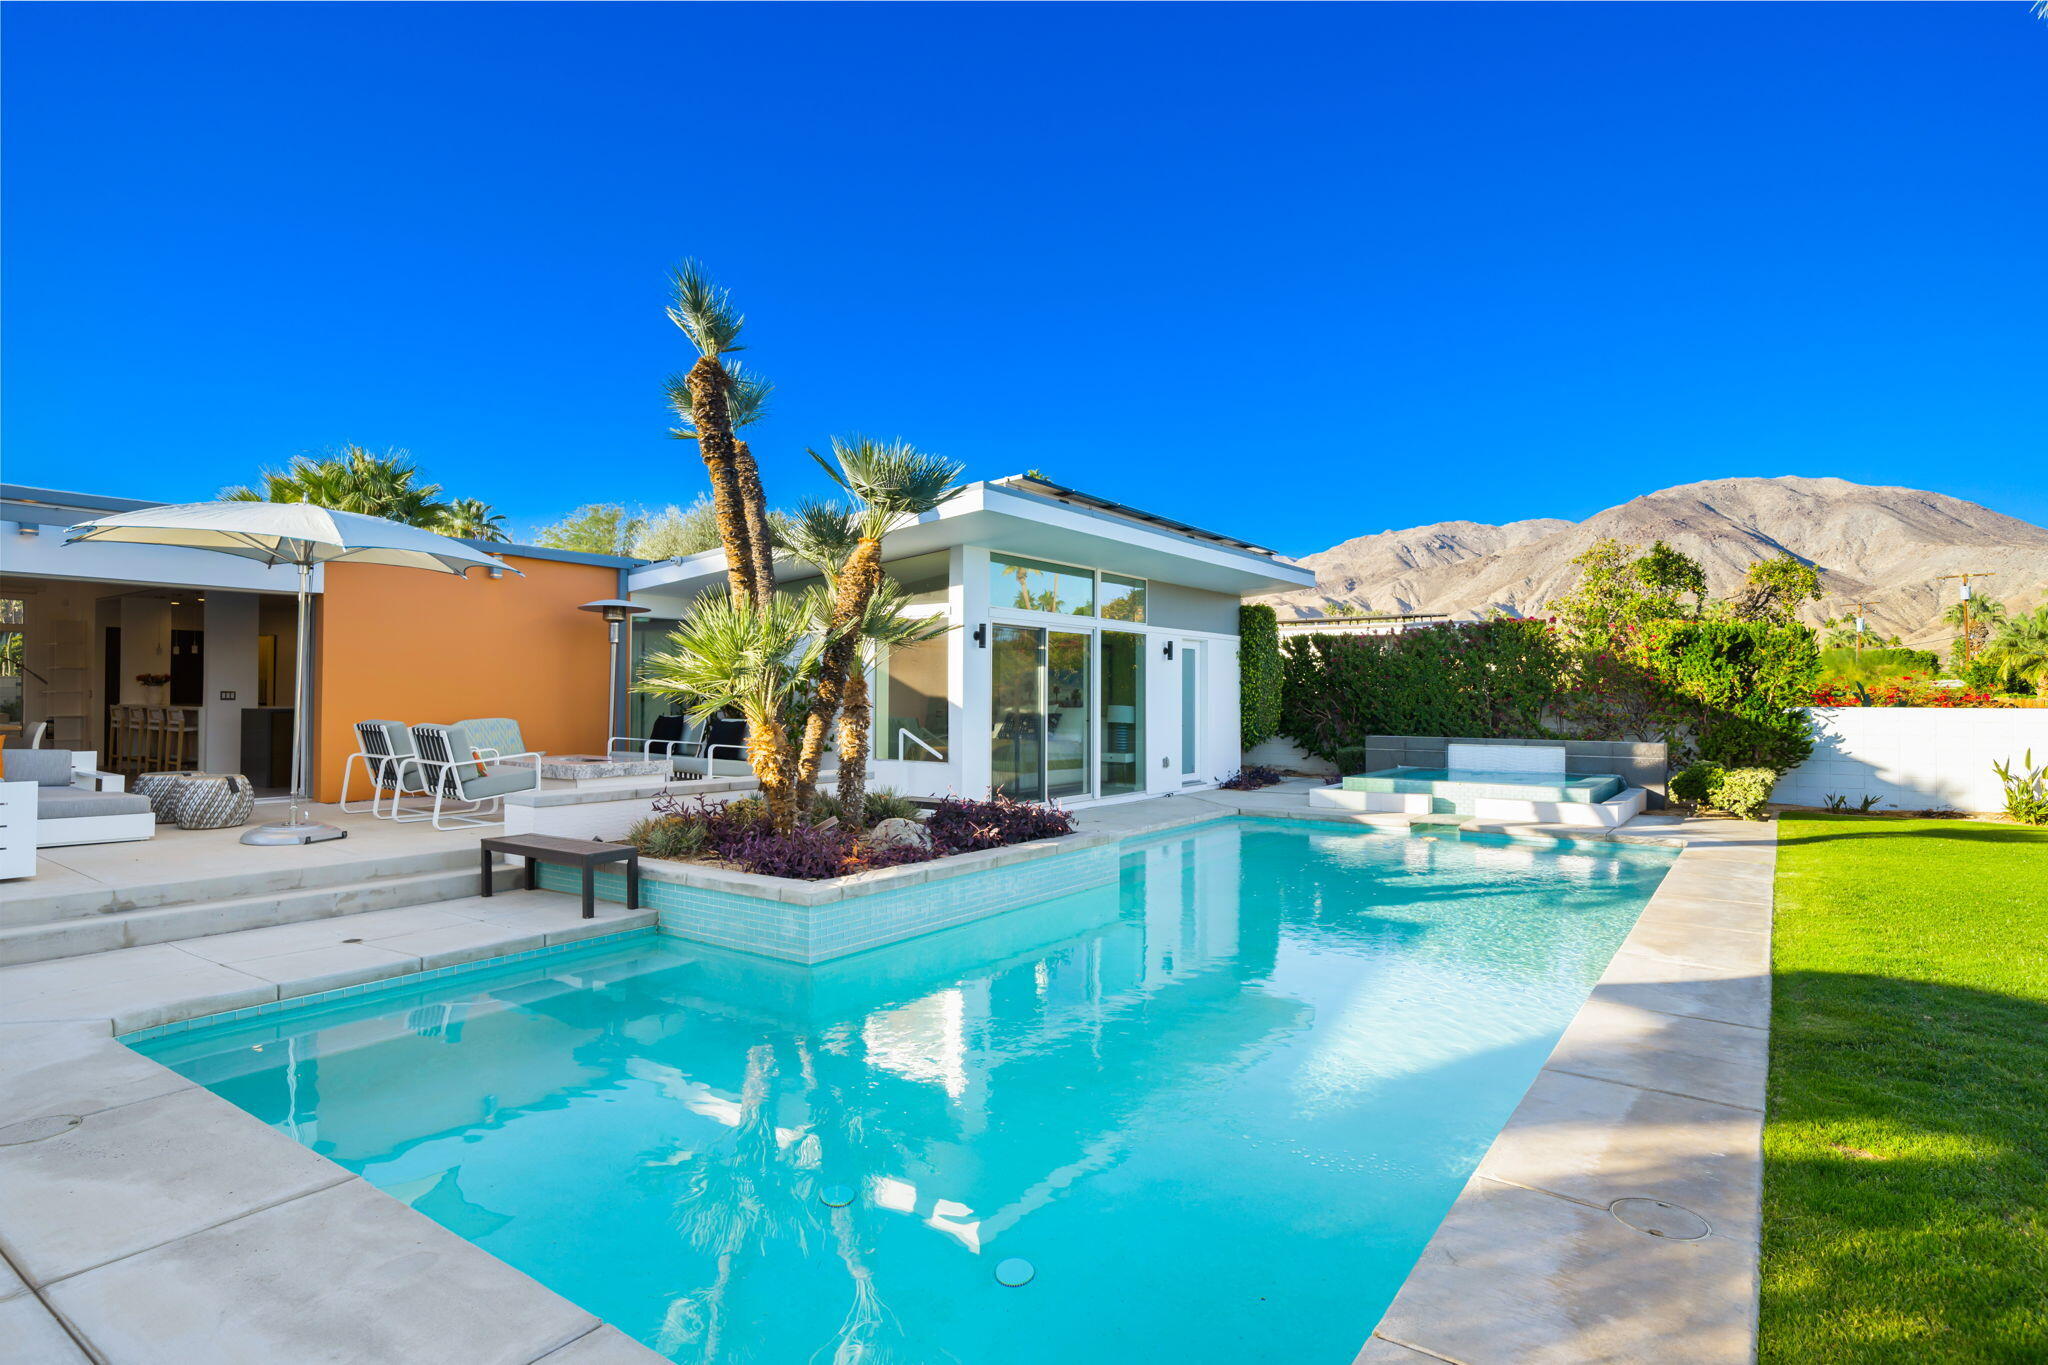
[(75, 936)]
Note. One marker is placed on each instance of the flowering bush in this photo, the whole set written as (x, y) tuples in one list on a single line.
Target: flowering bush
[(1250, 778), (739, 833), (1910, 690)]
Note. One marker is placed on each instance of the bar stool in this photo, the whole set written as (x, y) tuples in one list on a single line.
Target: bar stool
[(134, 738), (178, 737), (117, 751)]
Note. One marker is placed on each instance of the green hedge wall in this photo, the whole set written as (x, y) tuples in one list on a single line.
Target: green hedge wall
[(1484, 679), (1733, 693), (1259, 667)]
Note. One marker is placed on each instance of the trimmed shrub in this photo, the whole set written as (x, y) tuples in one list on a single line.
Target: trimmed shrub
[(1350, 760), (1259, 670), (1744, 682), (1743, 792), (1695, 785)]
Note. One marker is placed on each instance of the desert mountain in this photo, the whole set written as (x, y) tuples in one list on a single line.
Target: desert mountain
[(1884, 546)]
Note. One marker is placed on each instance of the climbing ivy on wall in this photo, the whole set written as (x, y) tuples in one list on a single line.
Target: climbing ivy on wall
[(1259, 666)]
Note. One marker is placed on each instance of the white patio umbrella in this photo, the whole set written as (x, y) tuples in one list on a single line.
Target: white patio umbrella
[(302, 535)]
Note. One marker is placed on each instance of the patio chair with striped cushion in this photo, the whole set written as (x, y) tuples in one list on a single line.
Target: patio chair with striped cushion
[(475, 777)]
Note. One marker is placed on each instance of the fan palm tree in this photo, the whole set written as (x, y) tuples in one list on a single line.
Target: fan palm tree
[(472, 519), (761, 660), (746, 403), (2020, 651), (705, 315), (353, 480), (1976, 618), (891, 483)]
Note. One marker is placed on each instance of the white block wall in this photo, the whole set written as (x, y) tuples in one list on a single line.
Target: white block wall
[(1913, 757)]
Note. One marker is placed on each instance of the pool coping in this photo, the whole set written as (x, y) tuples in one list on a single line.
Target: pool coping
[(244, 1192)]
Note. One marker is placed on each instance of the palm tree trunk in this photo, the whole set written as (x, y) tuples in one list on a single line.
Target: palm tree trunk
[(857, 583), (708, 410), (768, 750), (855, 714), (754, 511)]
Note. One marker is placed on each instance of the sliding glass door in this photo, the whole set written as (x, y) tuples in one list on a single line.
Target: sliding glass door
[(1040, 737), (1123, 713)]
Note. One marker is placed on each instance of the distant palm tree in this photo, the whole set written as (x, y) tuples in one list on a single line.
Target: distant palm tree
[(2020, 651), (355, 480), (472, 519), (1984, 615)]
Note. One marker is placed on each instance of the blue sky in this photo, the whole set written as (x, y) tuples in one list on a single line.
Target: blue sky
[(1297, 273)]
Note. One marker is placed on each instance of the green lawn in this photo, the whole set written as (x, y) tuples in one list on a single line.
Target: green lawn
[(1906, 1148)]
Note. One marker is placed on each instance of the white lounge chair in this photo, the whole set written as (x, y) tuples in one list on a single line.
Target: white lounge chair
[(389, 759), (477, 779)]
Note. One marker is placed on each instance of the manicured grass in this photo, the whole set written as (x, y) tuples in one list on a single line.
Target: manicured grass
[(1906, 1148)]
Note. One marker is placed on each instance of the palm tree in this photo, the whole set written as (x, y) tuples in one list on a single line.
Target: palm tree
[(891, 483), (1981, 616), (761, 660), (2020, 651), (353, 480), (472, 519), (746, 403), (705, 314)]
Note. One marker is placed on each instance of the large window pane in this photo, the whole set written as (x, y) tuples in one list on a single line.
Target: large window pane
[(1123, 599), (1029, 585), (1066, 713), (1123, 712), (1017, 725), (912, 707)]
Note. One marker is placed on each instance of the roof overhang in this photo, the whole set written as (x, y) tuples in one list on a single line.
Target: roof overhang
[(1035, 525)]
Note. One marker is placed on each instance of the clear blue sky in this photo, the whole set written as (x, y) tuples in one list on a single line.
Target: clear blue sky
[(1297, 273)]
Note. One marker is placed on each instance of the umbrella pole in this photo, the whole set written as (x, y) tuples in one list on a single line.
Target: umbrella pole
[(294, 831)]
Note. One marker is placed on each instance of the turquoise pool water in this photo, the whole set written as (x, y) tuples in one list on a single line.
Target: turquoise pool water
[(1218, 1103)]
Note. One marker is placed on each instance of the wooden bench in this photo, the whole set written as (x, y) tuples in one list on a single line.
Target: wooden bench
[(587, 854)]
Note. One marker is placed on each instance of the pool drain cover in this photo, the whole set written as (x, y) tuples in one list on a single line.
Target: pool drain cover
[(1014, 1272), (1655, 1218), (35, 1130), (837, 1196)]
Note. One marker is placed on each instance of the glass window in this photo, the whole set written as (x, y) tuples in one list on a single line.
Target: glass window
[(923, 578), (1123, 599), (912, 707), (1123, 712), (1028, 585)]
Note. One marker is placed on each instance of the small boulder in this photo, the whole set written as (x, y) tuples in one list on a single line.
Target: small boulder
[(896, 830)]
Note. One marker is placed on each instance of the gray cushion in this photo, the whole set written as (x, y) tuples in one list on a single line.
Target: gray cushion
[(44, 767), (67, 803), (495, 732), (497, 780)]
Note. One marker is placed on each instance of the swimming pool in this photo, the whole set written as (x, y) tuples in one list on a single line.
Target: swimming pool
[(1218, 1103)]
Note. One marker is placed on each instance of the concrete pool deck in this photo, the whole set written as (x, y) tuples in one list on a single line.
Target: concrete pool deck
[(142, 1218)]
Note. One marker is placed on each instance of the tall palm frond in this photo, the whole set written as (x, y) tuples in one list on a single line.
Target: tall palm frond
[(746, 400), (892, 481), (820, 533), (731, 652), (703, 311), (2019, 652), (472, 519)]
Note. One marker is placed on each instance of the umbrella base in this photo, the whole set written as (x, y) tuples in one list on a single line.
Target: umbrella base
[(294, 832)]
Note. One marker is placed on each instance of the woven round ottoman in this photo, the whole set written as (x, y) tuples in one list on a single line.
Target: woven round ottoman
[(214, 801), (162, 791)]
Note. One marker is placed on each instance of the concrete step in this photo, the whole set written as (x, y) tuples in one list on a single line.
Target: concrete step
[(77, 936), (23, 906)]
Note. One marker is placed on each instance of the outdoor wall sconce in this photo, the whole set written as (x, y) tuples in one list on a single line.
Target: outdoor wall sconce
[(981, 635), (1169, 649)]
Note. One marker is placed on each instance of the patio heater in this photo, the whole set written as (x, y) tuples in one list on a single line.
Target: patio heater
[(616, 611)]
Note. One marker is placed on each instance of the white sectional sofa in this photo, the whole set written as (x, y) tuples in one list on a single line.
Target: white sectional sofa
[(75, 803)]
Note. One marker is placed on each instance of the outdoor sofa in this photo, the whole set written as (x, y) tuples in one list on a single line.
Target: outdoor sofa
[(75, 803)]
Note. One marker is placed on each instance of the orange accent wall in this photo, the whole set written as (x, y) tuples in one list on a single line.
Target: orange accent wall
[(431, 648)]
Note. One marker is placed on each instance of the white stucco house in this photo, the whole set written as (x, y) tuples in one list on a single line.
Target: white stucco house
[(1094, 655)]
